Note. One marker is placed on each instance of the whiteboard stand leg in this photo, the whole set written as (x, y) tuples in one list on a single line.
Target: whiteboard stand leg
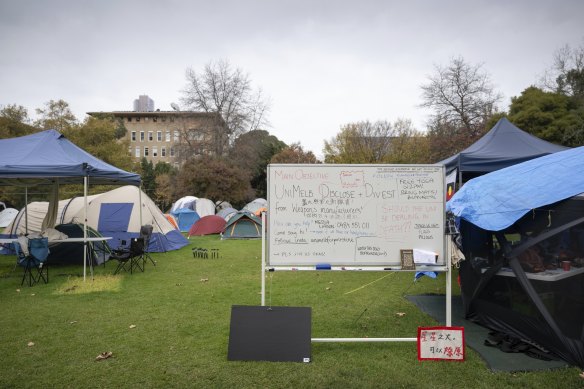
[(448, 294), (263, 259)]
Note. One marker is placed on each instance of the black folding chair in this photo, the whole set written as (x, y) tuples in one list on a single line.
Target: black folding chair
[(130, 258), (34, 263), (146, 234)]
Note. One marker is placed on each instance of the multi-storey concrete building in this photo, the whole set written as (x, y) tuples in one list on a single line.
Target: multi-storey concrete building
[(144, 103), (172, 136)]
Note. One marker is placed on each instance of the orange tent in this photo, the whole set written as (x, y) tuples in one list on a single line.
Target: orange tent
[(171, 219)]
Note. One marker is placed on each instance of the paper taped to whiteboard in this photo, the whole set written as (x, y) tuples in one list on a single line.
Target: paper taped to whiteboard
[(425, 257)]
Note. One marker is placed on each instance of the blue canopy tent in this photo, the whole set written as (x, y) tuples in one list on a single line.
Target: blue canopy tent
[(504, 145), (47, 157), (516, 224)]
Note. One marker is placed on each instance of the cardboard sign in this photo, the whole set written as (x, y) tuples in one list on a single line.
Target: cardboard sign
[(441, 343)]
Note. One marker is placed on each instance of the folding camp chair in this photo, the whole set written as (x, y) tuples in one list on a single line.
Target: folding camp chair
[(33, 260), (132, 257), (146, 234)]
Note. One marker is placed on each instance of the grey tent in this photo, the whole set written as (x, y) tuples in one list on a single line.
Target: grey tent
[(504, 145)]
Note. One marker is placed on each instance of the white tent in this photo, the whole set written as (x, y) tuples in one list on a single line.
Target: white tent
[(116, 214), (7, 216), (184, 202), (205, 207)]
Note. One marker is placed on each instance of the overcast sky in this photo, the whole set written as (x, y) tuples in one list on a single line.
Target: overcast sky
[(322, 63)]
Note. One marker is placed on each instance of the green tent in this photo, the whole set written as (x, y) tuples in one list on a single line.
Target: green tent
[(243, 225)]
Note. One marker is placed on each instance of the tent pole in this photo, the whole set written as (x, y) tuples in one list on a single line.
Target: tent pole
[(85, 179), (26, 210), (263, 273), (140, 200)]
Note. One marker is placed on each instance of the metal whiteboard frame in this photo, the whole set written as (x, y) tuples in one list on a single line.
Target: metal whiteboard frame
[(446, 269)]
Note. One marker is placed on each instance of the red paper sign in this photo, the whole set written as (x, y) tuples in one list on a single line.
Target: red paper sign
[(441, 344)]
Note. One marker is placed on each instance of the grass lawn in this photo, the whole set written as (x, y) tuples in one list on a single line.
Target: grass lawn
[(169, 328)]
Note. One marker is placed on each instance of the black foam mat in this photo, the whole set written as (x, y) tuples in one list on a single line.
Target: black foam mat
[(277, 334)]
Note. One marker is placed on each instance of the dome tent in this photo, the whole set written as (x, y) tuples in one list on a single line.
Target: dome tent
[(116, 213)]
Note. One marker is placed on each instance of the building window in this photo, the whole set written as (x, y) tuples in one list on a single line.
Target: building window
[(129, 118), (141, 136), (168, 135), (172, 118), (164, 118), (159, 136), (145, 151), (154, 119), (137, 118), (176, 135), (137, 152), (155, 151), (150, 136), (196, 135), (172, 151), (133, 136), (163, 151)]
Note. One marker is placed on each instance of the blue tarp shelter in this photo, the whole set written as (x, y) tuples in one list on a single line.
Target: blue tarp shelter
[(516, 225), (496, 200), (504, 145)]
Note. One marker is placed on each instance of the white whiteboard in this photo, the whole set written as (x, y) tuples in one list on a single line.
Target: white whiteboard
[(353, 215)]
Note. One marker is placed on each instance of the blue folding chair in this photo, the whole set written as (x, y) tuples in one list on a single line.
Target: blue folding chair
[(34, 264)]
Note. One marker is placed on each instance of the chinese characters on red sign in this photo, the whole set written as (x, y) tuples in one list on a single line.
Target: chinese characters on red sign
[(441, 343)]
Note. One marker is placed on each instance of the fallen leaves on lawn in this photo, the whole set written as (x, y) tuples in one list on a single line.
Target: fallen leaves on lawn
[(133, 326), (30, 344), (400, 314), (103, 355)]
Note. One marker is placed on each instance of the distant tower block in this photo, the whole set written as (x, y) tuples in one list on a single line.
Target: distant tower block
[(144, 104)]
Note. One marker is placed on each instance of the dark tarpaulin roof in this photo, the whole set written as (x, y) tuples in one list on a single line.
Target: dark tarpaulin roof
[(504, 145), (48, 155)]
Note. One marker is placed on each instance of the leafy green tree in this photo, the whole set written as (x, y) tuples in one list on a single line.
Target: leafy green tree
[(566, 75), (14, 122), (378, 142), (551, 116), (98, 137), (216, 179), (164, 195), (148, 177), (56, 115), (294, 154), (408, 145), (10, 128), (120, 129), (361, 142), (252, 152), (15, 112)]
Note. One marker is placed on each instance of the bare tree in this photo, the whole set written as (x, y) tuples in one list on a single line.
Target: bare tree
[(221, 89), (566, 75), (461, 94)]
